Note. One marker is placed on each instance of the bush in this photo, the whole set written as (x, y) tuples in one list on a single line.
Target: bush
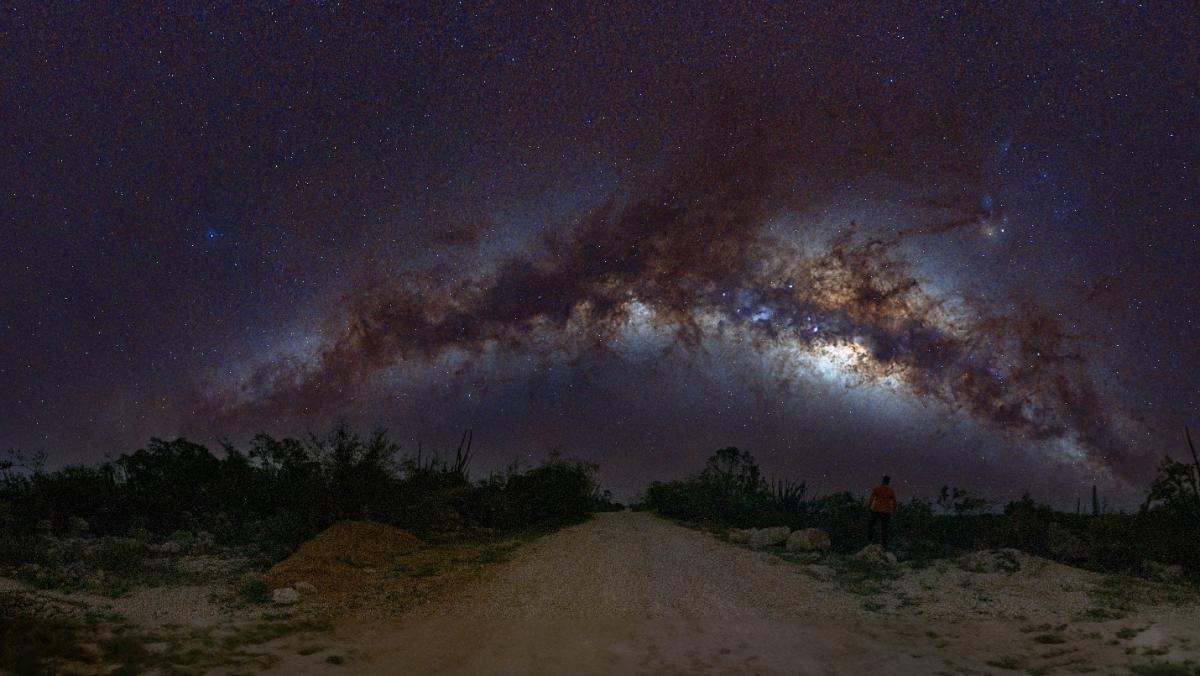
[(729, 492), (30, 640), (254, 589), (280, 493)]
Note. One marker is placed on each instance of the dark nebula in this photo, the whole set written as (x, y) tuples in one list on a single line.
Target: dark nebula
[(935, 242)]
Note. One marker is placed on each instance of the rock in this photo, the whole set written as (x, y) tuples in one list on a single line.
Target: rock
[(820, 572), (1163, 572), (991, 561), (169, 548), (183, 537), (140, 534), (44, 526), (305, 588), (740, 535), (285, 596), (808, 540), (204, 541), (1151, 638), (876, 554), (208, 565), (767, 537), (77, 526), (804, 557)]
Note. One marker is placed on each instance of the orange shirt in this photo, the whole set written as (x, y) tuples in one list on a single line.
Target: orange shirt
[(883, 499)]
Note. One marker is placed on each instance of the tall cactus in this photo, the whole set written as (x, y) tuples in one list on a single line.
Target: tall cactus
[(1195, 473)]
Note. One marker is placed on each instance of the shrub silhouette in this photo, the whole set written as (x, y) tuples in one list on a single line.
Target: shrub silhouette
[(282, 491), (729, 492)]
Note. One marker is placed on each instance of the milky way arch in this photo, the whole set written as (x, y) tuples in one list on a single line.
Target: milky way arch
[(693, 247)]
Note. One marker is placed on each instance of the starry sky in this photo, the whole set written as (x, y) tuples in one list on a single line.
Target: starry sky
[(955, 243)]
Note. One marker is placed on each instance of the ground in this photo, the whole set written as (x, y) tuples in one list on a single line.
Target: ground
[(632, 593)]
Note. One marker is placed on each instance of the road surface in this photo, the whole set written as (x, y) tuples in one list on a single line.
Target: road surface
[(631, 593)]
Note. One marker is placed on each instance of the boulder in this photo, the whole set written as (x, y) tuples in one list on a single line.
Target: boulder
[(991, 561), (768, 537), (740, 535), (808, 540), (876, 554), (77, 526), (285, 596), (305, 588)]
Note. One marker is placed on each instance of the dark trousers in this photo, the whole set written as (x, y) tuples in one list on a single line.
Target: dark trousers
[(883, 518)]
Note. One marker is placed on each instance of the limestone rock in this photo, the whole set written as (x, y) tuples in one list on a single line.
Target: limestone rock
[(991, 561), (1163, 572), (820, 572), (767, 537), (876, 554), (740, 535), (808, 540)]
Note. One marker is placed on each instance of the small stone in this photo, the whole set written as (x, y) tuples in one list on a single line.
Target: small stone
[(740, 535), (305, 588), (285, 596)]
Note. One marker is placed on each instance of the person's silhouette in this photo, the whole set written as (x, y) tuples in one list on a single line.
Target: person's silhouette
[(882, 505)]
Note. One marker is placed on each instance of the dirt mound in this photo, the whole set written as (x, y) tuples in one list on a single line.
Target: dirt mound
[(344, 556)]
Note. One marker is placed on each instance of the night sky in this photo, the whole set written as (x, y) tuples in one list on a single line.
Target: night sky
[(953, 243)]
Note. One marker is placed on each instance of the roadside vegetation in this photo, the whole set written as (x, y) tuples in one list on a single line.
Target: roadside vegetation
[(1159, 540), (176, 513), (277, 493)]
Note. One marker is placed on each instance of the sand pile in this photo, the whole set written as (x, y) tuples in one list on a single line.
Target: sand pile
[(344, 556)]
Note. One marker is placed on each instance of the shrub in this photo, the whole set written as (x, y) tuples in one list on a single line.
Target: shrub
[(278, 494), (254, 589), (729, 492)]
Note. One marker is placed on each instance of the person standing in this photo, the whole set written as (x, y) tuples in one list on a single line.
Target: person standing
[(882, 505)]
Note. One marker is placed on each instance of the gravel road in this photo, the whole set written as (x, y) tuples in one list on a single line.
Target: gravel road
[(631, 593)]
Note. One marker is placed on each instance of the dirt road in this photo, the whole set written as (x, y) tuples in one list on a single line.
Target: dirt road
[(631, 593)]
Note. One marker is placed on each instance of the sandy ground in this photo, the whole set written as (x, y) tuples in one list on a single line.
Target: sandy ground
[(631, 593)]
